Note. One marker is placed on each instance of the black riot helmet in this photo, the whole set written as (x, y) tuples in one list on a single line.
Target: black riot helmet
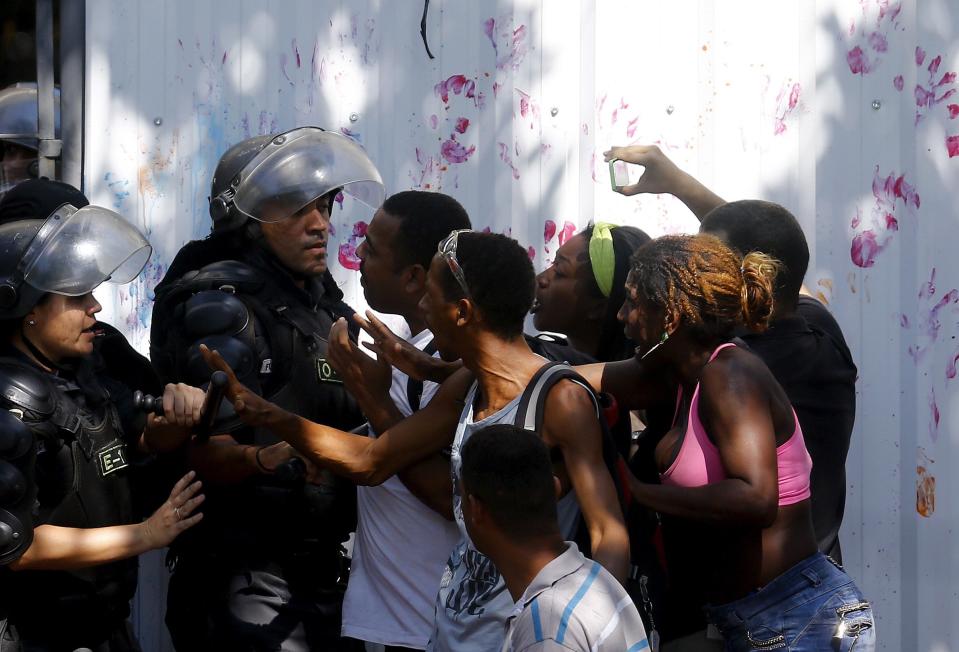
[(269, 178), (19, 132), (71, 252)]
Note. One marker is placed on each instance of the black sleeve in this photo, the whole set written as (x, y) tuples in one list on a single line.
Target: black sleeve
[(819, 318)]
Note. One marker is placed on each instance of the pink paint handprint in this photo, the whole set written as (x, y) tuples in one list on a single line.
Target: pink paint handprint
[(893, 195), (879, 17), (347, 253), (937, 89)]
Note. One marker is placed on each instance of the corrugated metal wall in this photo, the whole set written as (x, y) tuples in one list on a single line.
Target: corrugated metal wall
[(842, 110)]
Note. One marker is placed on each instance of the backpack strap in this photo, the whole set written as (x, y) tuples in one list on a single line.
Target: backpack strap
[(538, 389), (414, 388)]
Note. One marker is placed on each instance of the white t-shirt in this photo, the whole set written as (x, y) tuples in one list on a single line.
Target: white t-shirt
[(400, 551)]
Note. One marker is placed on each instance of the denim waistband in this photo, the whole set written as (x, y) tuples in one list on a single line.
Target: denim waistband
[(789, 590)]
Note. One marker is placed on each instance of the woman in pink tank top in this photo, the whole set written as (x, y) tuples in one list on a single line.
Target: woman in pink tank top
[(734, 492)]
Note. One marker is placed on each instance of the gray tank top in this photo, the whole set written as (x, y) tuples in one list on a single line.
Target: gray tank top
[(473, 604)]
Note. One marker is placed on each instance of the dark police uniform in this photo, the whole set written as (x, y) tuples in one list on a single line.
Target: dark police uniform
[(263, 569), (86, 430)]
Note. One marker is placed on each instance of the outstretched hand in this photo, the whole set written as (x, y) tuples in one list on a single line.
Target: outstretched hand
[(661, 175), (359, 371), (176, 514), (401, 354), (249, 406)]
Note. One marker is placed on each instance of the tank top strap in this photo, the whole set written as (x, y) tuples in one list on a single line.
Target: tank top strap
[(720, 348)]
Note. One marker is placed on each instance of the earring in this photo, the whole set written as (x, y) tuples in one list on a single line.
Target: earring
[(31, 322), (658, 344)]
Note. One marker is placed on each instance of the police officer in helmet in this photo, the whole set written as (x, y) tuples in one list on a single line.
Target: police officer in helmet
[(69, 434), (19, 133), (263, 572)]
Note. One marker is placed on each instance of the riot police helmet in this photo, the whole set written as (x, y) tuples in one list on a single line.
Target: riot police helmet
[(270, 178), (19, 133), (71, 253)]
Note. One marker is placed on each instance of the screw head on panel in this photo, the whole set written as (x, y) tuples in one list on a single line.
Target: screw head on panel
[(158, 121), (876, 105), (670, 109), (354, 117)]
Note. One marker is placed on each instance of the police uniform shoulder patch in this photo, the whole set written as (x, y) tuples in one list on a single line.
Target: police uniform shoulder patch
[(325, 372), (111, 458)]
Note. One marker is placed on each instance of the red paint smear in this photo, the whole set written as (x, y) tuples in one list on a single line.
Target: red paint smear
[(948, 78), (920, 55), (791, 103), (892, 224), (951, 367), (347, 253), (934, 64), (549, 230), (506, 158), (462, 124), (893, 188), (518, 49), (897, 82), (523, 103), (929, 287), (857, 220), (496, 87), (487, 230), (569, 229), (454, 152), (877, 41), (631, 127), (434, 120), (865, 248), (934, 416), (296, 51), (615, 115), (904, 321), (454, 83), (531, 252), (489, 25), (953, 111), (223, 60), (952, 145), (858, 62)]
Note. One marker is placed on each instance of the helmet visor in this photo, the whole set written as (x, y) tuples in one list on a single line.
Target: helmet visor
[(301, 166), (77, 250)]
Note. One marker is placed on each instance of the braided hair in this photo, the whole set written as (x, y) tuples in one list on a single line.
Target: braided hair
[(712, 289)]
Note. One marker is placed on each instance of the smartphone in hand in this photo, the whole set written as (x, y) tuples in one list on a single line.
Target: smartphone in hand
[(620, 174)]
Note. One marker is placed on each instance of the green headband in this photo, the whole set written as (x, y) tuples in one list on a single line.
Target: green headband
[(602, 257)]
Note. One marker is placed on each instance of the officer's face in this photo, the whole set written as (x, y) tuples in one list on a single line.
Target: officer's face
[(15, 163), (63, 326), (385, 282), (299, 242)]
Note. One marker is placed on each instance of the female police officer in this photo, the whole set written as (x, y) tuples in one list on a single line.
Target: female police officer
[(67, 583)]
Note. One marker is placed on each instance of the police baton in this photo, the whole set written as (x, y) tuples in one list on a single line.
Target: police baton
[(215, 394)]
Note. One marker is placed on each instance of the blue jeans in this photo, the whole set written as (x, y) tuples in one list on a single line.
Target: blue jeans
[(813, 606)]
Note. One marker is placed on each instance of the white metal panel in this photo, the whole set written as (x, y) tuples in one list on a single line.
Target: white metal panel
[(758, 99)]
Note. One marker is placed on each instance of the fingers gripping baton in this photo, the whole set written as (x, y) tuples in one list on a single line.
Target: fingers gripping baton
[(215, 394)]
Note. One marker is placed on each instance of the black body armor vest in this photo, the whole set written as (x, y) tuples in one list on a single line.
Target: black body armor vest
[(268, 331), (82, 481)]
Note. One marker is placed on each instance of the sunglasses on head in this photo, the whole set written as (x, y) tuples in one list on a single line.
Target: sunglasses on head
[(447, 249)]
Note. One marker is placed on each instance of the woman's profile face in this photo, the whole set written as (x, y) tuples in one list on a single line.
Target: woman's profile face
[(62, 326), (642, 322)]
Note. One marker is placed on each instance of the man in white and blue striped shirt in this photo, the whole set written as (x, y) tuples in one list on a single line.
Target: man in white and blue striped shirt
[(564, 601)]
